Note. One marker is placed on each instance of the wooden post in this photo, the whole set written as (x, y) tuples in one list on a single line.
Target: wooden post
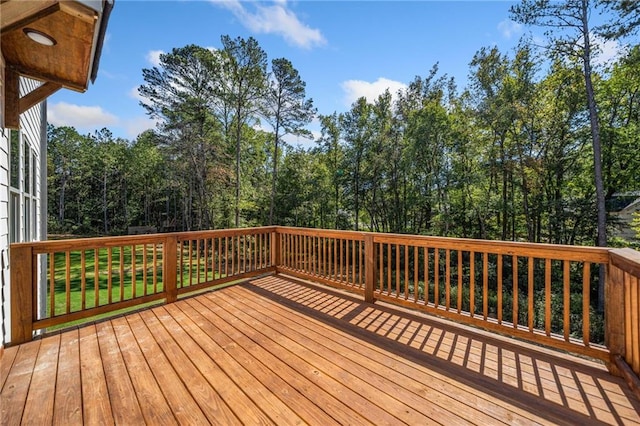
[(23, 273), (11, 99), (275, 249), (370, 268), (614, 316), (170, 268)]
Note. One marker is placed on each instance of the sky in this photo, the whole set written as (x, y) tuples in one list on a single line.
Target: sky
[(342, 49)]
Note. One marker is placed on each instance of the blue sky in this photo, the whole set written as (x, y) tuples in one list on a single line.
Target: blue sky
[(342, 49)]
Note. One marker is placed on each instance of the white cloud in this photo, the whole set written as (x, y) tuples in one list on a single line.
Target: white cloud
[(153, 57), (133, 127), (274, 18), (608, 51), (508, 28), (65, 114), (134, 94), (355, 89)]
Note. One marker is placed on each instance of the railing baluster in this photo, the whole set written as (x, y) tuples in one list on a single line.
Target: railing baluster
[(436, 277), (447, 278), (530, 291), (389, 268), (121, 265), (109, 274), (472, 283), (566, 285), (416, 251), (83, 281), (155, 268), (353, 262), (134, 254), (485, 285), (52, 284), (499, 274), (547, 297), (144, 268), (460, 281), (406, 272), (426, 275), (514, 267), (586, 302), (96, 279), (397, 247), (67, 281)]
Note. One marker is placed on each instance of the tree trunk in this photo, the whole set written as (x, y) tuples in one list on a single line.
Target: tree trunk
[(275, 172), (597, 150), (238, 134)]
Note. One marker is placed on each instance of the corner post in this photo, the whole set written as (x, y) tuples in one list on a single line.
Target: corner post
[(23, 274), (614, 316), (170, 267), (275, 248), (370, 268)]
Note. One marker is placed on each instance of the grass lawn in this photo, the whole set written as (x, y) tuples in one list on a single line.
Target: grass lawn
[(118, 278)]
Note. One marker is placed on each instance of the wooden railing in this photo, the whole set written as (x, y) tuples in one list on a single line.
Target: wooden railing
[(538, 292), (335, 258), (512, 288), (96, 276)]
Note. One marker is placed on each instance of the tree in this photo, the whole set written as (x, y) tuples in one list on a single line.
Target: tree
[(330, 146), (626, 18), (569, 35), (244, 80), (181, 92), (356, 126), (288, 111)]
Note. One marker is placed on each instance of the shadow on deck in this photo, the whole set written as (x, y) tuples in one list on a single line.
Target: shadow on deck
[(277, 350)]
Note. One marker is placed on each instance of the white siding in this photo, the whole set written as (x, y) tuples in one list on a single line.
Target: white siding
[(32, 128)]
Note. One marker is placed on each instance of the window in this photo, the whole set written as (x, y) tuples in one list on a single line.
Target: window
[(34, 178), (14, 217), (23, 189), (27, 166), (27, 218)]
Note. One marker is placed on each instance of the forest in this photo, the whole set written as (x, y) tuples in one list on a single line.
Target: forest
[(539, 146)]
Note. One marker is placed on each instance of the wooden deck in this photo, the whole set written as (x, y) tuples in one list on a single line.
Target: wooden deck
[(277, 351)]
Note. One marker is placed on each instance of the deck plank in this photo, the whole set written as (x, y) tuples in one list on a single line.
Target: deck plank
[(154, 406), (6, 362), (357, 390), (178, 397), (275, 378), (403, 389), (207, 397), (598, 402), (125, 405), (16, 388), (452, 398), (96, 405), (264, 397), (248, 400), (276, 350), (39, 406), (316, 390), (67, 408)]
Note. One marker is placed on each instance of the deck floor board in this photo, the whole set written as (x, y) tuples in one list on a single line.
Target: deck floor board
[(275, 350)]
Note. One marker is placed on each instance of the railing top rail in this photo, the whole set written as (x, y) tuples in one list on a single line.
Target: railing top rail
[(319, 232), (536, 250), (626, 259), (117, 241)]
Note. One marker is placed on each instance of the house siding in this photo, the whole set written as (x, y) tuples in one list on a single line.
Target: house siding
[(33, 133)]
